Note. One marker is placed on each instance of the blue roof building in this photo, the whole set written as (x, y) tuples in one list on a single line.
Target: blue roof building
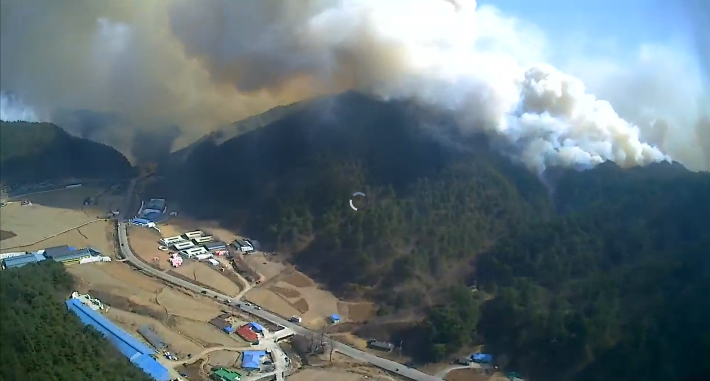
[(256, 327), (21, 260), (66, 254), (251, 360), (138, 353), (334, 318), (482, 358)]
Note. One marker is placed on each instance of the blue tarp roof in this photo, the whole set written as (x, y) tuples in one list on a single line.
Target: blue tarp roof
[(128, 345), (335, 317), (256, 327), (152, 367), (252, 359), (482, 357), (228, 329)]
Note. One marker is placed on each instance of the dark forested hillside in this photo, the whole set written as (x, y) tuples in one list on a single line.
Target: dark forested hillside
[(32, 152), (40, 340), (588, 277)]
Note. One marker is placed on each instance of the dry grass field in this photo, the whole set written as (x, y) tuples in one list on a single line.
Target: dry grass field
[(206, 334), (229, 359), (32, 223), (313, 374), (177, 343), (144, 243), (202, 273), (135, 299), (55, 212), (293, 293), (266, 268), (471, 375)]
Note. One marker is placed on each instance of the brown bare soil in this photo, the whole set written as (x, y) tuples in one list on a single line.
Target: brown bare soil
[(118, 279), (98, 235), (264, 266), (313, 374), (33, 223), (191, 307), (301, 305), (4, 234), (271, 301), (202, 273), (298, 280), (285, 292), (179, 345), (360, 312), (467, 375), (126, 304), (144, 243), (194, 371), (228, 359), (206, 334)]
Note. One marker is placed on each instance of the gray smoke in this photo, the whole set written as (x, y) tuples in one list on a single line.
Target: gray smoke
[(200, 64)]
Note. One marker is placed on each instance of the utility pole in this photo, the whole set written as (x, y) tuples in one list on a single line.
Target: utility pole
[(331, 349)]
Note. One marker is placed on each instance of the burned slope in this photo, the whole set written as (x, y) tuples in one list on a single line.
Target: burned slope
[(32, 152), (606, 271), (432, 203)]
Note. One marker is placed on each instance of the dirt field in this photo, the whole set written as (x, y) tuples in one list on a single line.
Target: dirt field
[(312, 374), (295, 294), (55, 212), (206, 334), (119, 279), (32, 223), (192, 307), (178, 316), (271, 301), (98, 235), (202, 273), (178, 344), (74, 199), (144, 243), (266, 268), (469, 375), (229, 359)]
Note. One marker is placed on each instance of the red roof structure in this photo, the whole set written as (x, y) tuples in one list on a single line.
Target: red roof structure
[(247, 334)]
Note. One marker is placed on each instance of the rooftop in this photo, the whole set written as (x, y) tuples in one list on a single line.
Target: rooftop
[(256, 327), (252, 359), (22, 260), (156, 203), (227, 375), (215, 245)]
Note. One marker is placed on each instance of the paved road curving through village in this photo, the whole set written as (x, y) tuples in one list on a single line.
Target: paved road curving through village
[(357, 354)]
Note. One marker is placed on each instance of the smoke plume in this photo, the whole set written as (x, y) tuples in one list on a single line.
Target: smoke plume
[(201, 64)]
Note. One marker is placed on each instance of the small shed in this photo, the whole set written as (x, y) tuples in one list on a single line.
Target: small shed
[(216, 245), (482, 358), (256, 327), (335, 318), (222, 374), (381, 345)]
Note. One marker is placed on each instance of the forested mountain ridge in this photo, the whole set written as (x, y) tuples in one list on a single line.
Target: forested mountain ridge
[(41, 340), (573, 273), (33, 152)]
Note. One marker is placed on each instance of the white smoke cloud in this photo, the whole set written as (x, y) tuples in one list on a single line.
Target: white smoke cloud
[(12, 109), (201, 63)]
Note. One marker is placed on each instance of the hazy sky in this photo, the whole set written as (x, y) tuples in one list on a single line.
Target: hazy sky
[(195, 65)]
